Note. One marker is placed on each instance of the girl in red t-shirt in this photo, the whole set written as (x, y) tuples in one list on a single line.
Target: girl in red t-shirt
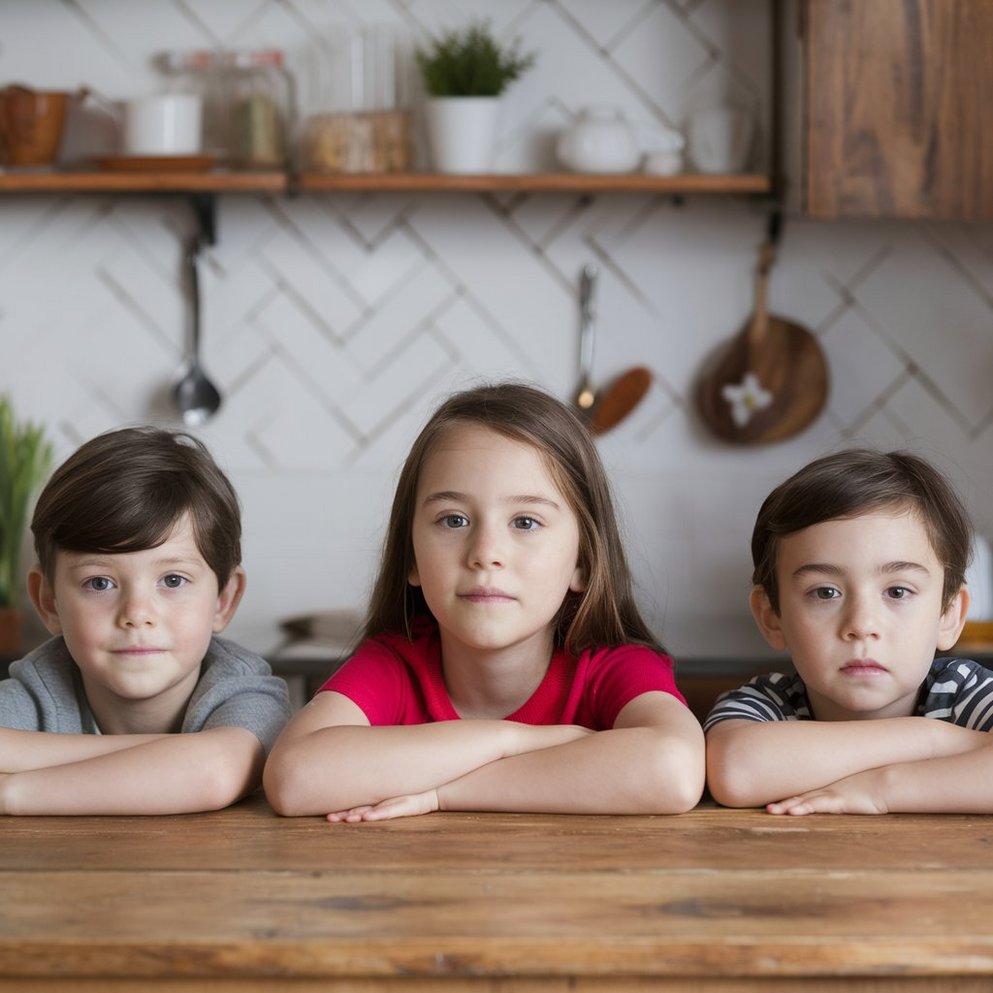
[(505, 665)]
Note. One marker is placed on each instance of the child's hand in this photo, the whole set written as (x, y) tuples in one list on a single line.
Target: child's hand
[(858, 794), (400, 806)]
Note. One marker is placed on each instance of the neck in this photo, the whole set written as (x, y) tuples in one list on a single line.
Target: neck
[(162, 714), (491, 684)]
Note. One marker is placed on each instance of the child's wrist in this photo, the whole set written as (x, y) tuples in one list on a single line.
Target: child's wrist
[(7, 789)]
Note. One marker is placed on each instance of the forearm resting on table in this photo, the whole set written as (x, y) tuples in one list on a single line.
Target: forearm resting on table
[(632, 770), (344, 766), (952, 784), (172, 774), (23, 750), (752, 763)]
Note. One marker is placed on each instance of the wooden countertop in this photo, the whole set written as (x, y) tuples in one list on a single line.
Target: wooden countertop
[(714, 900)]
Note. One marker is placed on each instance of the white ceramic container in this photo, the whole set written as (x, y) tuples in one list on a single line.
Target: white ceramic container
[(600, 140)]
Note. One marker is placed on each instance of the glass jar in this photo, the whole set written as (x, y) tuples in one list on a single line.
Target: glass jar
[(358, 122), (260, 99), (202, 73)]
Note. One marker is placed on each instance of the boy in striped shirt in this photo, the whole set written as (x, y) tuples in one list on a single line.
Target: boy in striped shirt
[(859, 574)]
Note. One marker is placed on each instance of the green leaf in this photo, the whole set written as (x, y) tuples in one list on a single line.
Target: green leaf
[(25, 459), (471, 63)]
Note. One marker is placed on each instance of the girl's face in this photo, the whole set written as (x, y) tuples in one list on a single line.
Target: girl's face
[(861, 613), (496, 543)]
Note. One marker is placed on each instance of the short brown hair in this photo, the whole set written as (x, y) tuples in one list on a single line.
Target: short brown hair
[(124, 491), (854, 482), (605, 613)]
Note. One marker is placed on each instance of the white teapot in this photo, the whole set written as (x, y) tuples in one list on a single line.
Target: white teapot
[(600, 140)]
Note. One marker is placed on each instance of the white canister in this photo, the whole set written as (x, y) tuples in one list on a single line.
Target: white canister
[(163, 124), (720, 138)]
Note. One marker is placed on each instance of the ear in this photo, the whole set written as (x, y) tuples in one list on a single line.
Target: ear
[(414, 577), (228, 599), (953, 620), (43, 599), (768, 621), (579, 580)]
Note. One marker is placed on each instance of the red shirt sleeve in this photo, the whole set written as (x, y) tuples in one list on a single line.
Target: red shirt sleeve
[(615, 676), (374, 679)]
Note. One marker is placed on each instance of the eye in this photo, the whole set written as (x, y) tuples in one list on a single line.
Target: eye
[(454, 521), (174, 581), (98, 584), (825, 593), (899, 593), (525, 523)]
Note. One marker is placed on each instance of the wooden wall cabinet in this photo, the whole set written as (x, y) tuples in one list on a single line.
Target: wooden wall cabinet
[(897, 108)]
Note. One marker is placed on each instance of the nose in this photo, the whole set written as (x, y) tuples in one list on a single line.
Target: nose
[(860, 618), (135, 610), (486, 547)]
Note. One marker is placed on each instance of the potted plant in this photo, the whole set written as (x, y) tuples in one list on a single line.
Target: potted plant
[(25, 458), (464, 73)]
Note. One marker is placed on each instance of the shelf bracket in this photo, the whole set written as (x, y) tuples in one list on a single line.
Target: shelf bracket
[(204, 207)]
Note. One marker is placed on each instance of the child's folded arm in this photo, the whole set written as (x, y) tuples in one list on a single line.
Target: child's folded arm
[(949, 784), (650, 762), (21, 751), (329, 759), (752, 763), (167, 774)]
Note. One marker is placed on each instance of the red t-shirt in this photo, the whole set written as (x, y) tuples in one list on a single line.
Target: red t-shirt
[(395, 681)]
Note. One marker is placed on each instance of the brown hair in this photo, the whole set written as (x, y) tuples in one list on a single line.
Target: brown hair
[(605, 613), (858, 481), (123, 491)]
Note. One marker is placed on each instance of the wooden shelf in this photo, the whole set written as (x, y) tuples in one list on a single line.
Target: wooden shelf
[(113, 181), (221, 181), (536, 182)]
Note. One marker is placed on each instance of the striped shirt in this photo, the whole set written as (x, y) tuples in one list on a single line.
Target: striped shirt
[(956, 690)]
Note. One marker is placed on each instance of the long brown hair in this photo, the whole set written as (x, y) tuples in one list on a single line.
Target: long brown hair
[(605, 613)]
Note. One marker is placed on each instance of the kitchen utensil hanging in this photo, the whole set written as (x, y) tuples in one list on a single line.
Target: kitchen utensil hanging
[(196, 397), (771, 381), (586, 395), (605, 409)]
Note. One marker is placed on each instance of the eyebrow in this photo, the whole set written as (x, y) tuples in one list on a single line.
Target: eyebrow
[(107, 560), (446, 496), (883, 570)]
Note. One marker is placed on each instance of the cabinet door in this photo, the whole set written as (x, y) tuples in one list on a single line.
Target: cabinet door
[(898, 108)]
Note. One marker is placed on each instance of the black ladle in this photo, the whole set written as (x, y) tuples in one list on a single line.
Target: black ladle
[(196, 396)]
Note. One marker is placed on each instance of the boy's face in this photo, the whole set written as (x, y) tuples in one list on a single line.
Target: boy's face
[(137, 623), (860, 612)]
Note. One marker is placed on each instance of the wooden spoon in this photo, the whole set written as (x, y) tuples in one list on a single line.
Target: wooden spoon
[(620, 398), (770, 382)]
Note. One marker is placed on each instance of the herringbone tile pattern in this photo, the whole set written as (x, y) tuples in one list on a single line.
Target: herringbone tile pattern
[(334, 323)]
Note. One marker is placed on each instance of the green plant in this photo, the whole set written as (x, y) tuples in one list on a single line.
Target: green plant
[(25, 458), (471, 63)]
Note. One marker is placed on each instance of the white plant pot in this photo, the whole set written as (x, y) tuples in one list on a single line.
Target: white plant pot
[(462, 133)]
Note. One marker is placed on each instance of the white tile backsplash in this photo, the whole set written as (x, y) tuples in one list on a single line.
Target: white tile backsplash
[(334, 323)]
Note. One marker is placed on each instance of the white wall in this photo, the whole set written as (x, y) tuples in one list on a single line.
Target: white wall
[(334, 323)]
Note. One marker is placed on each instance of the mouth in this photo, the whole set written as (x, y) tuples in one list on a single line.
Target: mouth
[(864, 667), (138, 650), (485, 594)]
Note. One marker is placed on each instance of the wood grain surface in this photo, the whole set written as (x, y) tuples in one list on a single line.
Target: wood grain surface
[(712, 900), (897, 108)]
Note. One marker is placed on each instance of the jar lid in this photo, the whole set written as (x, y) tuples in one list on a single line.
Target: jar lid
[(256, 59), (188, 61)]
